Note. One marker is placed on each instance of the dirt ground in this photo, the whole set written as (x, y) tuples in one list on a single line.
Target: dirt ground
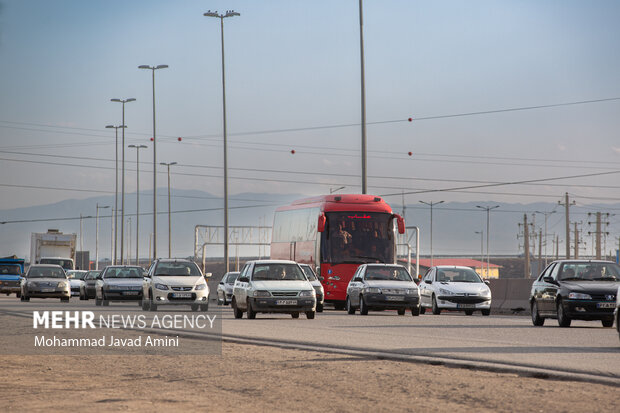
[(256, 378)]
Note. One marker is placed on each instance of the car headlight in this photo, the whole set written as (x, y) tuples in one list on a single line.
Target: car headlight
[(261, 293), (411, 291), (445, 292), (579, 296), (31, 284), (161, 286), (485, 292), (200, 287), (373, 290), (62, 284), (306, 293)]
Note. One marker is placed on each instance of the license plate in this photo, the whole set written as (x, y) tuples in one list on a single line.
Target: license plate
[(131, 292), (48, 290), (286, 302), (179, 295), (75, 293), (605, 305), (394, 298), (466, 306)]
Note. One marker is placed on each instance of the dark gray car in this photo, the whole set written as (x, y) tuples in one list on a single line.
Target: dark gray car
[(45, 281), (119, 283)]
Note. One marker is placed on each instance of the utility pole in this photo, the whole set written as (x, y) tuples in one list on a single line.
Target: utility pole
[(598, 231), (567, 205), (576, 241), (540, 251), (526, 247)]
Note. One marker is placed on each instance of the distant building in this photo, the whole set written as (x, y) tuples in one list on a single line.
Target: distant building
[(478, 266)]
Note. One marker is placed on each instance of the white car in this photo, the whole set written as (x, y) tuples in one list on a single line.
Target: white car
[(382, 287), (225, 288), (273, 286), (175, 282), (78, 286), (318, 288), (454, 288), (617, 311)]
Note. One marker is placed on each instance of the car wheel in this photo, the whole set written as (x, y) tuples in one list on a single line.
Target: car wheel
[(415, 311), (363, 306), (82, 296), (401, 311), (194, 307), (145, 304), (26, 298), (563, 319), (608, 322), (350, 308), (104, 301), (64, 299), (486, 312), (422, 310), (97, 301), (220, 301), (18, 294), (238, 313), (251, 312), (310, 315), (469, 312), (319, 308), (537, 320), (339, 306), (436, 309), (152, 305), (204, 307), (295, 315)]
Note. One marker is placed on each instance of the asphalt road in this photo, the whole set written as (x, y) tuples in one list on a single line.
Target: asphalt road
[(585, 350)]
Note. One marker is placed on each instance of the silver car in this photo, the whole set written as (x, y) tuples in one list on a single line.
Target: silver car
[(382, 287), (119, 283), (45, 281), (225, 288), (318, 288), (78, 285), (273, 286)]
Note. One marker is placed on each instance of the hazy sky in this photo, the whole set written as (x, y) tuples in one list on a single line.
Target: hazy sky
[(293, 82)]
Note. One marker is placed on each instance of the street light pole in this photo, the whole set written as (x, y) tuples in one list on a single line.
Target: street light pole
[(363, 99), (229, 13), (138, 147), (115, 209), (153, 69), (546, 214), (488, 209), (123, 101), (481, 252), (97, 236), (169, 220), (431, 205)]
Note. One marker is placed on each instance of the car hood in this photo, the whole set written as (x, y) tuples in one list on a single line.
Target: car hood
[(9, 277), (46, 280), (391, 284), (282, 285), (315, 283), (123, 281), (75, 283), (459, 287), (592, 287), (177, 281)]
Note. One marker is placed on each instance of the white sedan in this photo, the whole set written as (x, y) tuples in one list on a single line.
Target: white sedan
[(454, 288)]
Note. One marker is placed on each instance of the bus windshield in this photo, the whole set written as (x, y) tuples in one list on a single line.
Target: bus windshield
[(357, 237)]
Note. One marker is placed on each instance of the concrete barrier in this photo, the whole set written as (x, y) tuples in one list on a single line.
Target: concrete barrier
[(510, 293)]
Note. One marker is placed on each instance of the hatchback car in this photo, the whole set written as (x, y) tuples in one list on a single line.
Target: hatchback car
[(119, 283), (225, 288), (175, 282), (318, 288), (454, 288), (273, 286), (45, 281), (78, 286), (575, 290), (382, 287)]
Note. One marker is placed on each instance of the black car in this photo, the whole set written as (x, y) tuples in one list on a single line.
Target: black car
[(576, 290), (119, 283), (91, 280)]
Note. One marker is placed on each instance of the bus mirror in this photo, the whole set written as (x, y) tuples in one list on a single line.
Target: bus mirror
[(322, 222), (401, 224)]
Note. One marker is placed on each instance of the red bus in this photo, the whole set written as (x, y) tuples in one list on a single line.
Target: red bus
[(335, 234)]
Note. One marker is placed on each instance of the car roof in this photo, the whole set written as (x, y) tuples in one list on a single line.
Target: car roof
[(460, 267), (583, 261), (45, 266), (273, 262), (384, 265)]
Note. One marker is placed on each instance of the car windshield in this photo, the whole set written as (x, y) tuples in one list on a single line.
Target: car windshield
[(309, 273), (66, 264), (458, 275), (231, 277), (274, 272), (9, 269), (91, 275), (46, 272), (123, 272), (387, 273), (589, 271), (76, 275), (177, 269)]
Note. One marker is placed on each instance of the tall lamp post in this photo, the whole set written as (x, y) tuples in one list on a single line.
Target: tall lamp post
[(169, 220), (115, 209), (153, 69), (97, 236), (481, 251), (488, 209), (123, 101), (431, 205), (363, 99), (229, 13), (137, 147), (546, 214)]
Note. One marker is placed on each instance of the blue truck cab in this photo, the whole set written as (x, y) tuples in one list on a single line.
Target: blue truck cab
[(11, 269)]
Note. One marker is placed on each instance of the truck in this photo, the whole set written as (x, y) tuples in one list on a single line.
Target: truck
[(53, 247), (11, 269)]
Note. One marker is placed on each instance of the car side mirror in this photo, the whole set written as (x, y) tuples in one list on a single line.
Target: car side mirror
[(487, 282), (357, 279), (243, 279), (428, 281), (208, 274), (550, 280), (320, 278)]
